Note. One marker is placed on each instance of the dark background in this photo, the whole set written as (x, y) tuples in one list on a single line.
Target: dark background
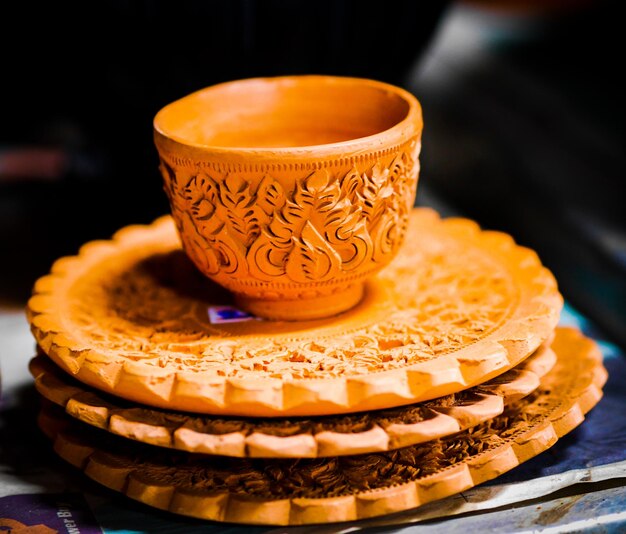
[(523, 108)]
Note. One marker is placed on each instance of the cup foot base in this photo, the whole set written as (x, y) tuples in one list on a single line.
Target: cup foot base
[(303, 309)]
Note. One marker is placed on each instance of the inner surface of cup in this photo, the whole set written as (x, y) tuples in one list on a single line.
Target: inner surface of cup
[(282, 112)]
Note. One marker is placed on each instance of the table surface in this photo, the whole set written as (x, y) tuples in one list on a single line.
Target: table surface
[(577, 485)]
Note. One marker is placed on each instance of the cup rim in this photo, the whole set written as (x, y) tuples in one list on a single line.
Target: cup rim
[(399, 133)]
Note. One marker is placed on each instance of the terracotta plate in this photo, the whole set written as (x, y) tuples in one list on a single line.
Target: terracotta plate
[(294, 437), (282, 492), (455, 308)]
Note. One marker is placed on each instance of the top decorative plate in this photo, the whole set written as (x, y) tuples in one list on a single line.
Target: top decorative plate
[(455, 308)]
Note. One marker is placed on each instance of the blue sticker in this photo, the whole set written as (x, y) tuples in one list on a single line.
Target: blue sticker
[(228, 314)]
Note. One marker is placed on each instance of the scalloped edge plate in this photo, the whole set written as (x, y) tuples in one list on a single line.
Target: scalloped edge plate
[(531, 321), (184, 431), (572, 388)]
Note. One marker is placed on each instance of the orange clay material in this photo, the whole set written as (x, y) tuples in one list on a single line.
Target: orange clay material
[(455, 308), (341, 488), (291, 191), (364, 432)]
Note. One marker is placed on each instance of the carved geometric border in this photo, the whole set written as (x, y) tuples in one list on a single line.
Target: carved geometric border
[(570, 391), (326, 436), (530, 324), (283, 164)]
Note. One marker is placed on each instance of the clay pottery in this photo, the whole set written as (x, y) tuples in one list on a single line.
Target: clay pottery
[(456, 307), (291, 191), (340, 488), (341, 435)]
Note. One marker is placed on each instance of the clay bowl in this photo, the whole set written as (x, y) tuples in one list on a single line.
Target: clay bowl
[(291, 191)]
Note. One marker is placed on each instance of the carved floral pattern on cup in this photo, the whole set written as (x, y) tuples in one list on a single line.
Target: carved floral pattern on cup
[(329, 225)]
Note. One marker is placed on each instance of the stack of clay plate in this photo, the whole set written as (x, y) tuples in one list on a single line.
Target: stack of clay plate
[(449, 372)]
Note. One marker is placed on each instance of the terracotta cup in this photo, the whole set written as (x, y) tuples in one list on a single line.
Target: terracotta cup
[(291, 191)]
